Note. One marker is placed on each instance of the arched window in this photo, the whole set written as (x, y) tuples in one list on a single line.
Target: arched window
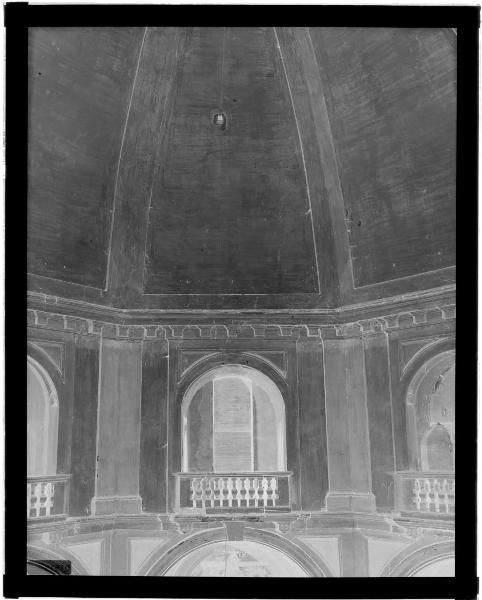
[(233, 420), (431, 415), (42, 421)]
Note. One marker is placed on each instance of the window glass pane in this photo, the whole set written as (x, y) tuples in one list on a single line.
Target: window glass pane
[(233, 425)]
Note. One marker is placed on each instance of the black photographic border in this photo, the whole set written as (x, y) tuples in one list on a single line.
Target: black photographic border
[(20, 16)]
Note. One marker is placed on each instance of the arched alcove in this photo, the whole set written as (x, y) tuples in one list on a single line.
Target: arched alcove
[(233, 420), (59, 560), (431, 414), (236, 559), (42, 421), (444, 567), (423, 559), (256, 551), (35, 569)]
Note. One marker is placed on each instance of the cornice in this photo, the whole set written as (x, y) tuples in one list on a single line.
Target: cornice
[(410, 310), (297, 522)]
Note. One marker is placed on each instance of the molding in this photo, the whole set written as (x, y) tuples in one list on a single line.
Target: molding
[(416, 557), (49, 349), (272, 326), (350, 502), (116, 505), (293, 547), (440, 296), (297, 523)]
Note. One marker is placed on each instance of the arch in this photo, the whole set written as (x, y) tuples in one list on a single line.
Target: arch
[(418, 557), (423, 356), (37, 554), (42, 420), (430, 420), (241, 358), (38, 568), (166, 559), (236, 559), (262, 391), (232, 357), (443, 567), (41, 358)]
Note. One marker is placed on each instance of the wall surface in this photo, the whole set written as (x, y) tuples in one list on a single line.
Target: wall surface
[(118, 431), (148, 546), (120, 434)]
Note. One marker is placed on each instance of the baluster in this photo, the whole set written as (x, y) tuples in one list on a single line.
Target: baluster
[(192, 488), (436, 494), (416, 493), (200, 492), (274, 496), (238, 491), (444, 492), (209, 492), (227, 492), (29, 494), (230, 492), (426, 494), (221, 486), (42, 497), (51, 494), (269, 493), (452, 492), (249, 488), (194, 483), (265, 486), (252, 492), (215, 492), (35, 500), (256, 491), (245, 490), (38, 499)]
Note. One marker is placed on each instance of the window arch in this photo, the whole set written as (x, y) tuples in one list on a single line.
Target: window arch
[(431, 414), (42, 421), (233, 420)]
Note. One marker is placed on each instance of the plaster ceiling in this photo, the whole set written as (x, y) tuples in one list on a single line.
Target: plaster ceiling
[(333, 180)]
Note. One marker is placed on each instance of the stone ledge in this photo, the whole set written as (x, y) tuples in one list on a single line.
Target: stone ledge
[(116, 505), (350, 502)]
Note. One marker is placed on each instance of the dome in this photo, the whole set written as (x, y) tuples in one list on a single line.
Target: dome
[(240, 167)]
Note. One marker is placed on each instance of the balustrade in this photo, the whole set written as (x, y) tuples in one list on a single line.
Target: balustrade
[(47, 496), (225, 492), (425, 492)]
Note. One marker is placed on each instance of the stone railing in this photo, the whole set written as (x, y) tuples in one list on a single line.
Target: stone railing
[(48, 496), (425, 492), (227, 492)]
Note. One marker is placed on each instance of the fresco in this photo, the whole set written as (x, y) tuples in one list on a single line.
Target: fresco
[(236, 559)]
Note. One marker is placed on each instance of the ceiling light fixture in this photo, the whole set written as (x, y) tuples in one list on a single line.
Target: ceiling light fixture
[(220, 120)]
